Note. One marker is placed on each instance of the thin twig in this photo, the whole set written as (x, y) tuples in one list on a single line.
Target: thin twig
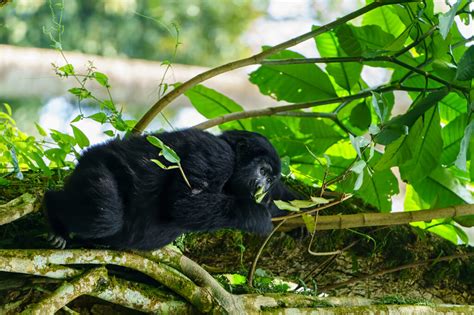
[(259, 253)]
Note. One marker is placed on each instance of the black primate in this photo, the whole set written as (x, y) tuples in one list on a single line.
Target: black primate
[(117, 197)]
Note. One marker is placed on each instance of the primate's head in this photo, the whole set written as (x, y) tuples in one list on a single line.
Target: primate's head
[(257, 164)]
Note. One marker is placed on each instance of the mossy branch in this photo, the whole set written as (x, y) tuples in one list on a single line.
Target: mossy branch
[(255, 59), (17, 208), (84, 284)]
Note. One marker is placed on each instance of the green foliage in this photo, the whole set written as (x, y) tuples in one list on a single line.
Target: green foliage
[(353, 142), (431, 143), (137, 29)]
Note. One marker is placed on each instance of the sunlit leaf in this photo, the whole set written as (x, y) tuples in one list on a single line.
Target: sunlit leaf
[(426, 150), (80, 137), (293, 83), (211, 103), (466, 65), (446, 20)]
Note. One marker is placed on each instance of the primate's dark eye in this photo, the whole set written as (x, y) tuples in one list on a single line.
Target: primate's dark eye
[(263, 171)]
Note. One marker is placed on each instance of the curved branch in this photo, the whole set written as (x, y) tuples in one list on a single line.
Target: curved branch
[(269, 111), (168, 98), (170, 277), (85, 284), (17, 208)]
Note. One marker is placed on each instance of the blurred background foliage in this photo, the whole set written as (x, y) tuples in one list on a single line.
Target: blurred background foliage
[(209, 31)]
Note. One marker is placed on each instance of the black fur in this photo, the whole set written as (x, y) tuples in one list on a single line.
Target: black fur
[(117, 197)]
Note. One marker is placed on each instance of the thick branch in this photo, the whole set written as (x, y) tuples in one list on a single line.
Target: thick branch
[(164, 274), (85, 284), (168, 98), (334, 222), (142, 297), (17, 208), (201, 277)]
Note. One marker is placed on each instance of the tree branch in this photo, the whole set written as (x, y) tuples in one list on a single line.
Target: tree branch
[(255, 59), (17, 208), (390, 59), (347, 221), (84, 284), (269, 111)]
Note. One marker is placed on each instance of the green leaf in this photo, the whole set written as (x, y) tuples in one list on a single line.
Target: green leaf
[(99, 117), (109, 133), (80, 137), (427, 149), (465, 220), (283, 205), (446, 231), (400, 151), (155, 141), (309, 222), (41, 131), (440, 189), (166, 151), (346, 75), (360, 116), (446, 20), (101, 78), (161, 165), (109, 105), (293, 83), (397, 126), (8, 109), (81, 93), (466, 66), (386, 19), (368, 40), (461, 234), (451, 106), (211, 103), (378, 188), (39, 161), (452, 135), (67, 69), (462, 156)]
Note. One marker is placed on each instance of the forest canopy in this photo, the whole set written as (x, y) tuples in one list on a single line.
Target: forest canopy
[(339, 137)]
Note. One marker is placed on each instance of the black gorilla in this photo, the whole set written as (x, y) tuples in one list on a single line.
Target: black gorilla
[(117, 197)]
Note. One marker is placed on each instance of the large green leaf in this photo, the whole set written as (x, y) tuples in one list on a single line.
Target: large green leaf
[(400, 151), (446, 20), (426, 151), (211, 103), (398, 125), (386, 19), (466, 65), (452, 134), (363, 41), (293, 83), (466, 140), (451, 107), (346, 75), (439, 190), (312, 134), (378, 188)]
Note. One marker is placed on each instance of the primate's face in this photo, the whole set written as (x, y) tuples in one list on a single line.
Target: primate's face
[(257, 175), (264, 177)]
